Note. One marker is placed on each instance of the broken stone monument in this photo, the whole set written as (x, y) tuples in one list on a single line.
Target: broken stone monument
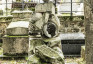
[(16, 40), (44, 40)]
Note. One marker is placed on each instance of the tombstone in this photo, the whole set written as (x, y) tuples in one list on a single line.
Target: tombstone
[(16, 40), (44, 41)]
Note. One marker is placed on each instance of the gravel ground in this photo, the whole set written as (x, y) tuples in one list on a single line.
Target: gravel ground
[(72, 60), (68, 60), (13, 62)]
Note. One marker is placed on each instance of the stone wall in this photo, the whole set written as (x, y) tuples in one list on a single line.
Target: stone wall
[(89, 31), (73, 24)]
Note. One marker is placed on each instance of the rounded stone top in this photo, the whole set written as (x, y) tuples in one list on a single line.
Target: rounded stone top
[(24, 24)]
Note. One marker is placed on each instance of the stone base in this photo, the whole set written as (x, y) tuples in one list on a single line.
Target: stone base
[(15, 45)]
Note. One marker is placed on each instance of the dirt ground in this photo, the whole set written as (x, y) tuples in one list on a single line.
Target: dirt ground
[(72, 60), (68, 60)]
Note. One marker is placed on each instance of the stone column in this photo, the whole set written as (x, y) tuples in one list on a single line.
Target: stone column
[(89, 30)]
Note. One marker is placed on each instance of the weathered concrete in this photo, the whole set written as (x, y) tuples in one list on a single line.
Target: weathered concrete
[(15, 44), (89, 31)]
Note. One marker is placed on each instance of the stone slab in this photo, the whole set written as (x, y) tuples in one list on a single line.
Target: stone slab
[(17, 28), (48, 54), (15, 44)]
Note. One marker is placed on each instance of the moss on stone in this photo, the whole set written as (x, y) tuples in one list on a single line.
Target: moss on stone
[(15, 36)]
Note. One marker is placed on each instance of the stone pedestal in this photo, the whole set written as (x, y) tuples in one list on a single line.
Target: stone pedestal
[(89, 31), (16, 40), (13, 45), (41, 51)]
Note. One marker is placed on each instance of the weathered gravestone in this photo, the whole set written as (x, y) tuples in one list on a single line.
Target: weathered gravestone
[(16, 40), (44, 40)]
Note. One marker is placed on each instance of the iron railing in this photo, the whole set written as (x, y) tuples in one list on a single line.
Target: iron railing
[(23, 4)]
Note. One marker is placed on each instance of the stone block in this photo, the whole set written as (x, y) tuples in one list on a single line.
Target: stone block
[(17, 28), (34, 42), (46, 7), (15, 44)]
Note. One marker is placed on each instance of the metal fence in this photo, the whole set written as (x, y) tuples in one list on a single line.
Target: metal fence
[(71, 7), (65, 7)]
